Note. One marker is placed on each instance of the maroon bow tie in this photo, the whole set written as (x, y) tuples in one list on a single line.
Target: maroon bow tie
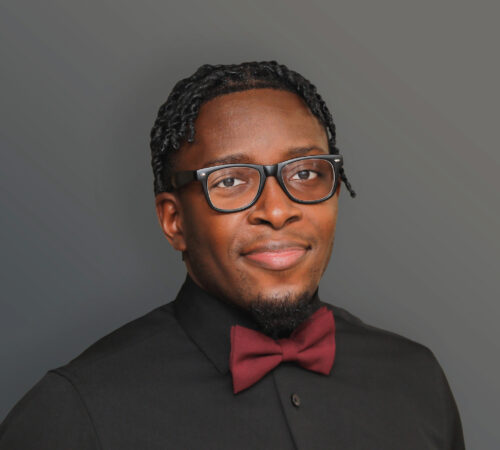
[(311, 345)]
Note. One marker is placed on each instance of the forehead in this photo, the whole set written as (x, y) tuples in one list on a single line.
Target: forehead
[(263, 125)]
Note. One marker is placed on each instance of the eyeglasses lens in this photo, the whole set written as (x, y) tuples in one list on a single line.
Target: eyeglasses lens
[(309, 179), (237, 187)]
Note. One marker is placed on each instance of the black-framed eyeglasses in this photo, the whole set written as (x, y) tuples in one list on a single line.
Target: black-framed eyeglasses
[(235, 187)]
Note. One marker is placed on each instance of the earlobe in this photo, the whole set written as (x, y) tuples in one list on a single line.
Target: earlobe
[(168, 209)]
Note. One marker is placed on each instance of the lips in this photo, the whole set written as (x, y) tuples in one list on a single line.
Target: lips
[(276, 255)]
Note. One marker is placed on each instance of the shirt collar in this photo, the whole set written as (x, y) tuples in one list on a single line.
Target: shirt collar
[(207, 320)]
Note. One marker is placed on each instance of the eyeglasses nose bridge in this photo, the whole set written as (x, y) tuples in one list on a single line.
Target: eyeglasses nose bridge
[(271, 170)]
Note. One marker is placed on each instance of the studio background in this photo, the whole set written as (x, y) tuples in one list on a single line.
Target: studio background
[(413, 88)]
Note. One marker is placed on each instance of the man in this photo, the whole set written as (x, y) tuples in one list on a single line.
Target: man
[(247, 356)]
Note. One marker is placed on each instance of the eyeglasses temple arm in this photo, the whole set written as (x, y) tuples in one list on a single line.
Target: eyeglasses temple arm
[(182, 178)]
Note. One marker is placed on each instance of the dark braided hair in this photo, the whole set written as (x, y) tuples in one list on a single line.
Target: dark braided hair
[(175, 121)]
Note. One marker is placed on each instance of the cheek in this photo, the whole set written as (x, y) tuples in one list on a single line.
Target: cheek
[(211, 235), (325, 223)]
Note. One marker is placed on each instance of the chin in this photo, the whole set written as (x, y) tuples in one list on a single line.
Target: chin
[(279, 292)]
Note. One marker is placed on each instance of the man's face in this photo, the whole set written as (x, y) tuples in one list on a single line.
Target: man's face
[(264, 125)]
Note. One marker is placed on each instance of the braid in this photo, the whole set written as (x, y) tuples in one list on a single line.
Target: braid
[(176, 117)]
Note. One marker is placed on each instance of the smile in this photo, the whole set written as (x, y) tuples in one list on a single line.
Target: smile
[(278, 259)]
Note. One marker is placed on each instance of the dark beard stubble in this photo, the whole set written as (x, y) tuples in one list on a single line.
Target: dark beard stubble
[(277, 318)]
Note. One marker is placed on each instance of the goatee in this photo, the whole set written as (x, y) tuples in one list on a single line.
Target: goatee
[(277, 318)]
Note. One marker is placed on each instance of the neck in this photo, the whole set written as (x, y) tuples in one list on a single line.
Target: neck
[(275, 317)]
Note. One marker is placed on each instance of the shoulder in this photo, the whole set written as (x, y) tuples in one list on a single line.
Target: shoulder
[(389, 358), (403, 370), (58, 412), (154, 333), (136, 333), (368, 341), (51, 415)]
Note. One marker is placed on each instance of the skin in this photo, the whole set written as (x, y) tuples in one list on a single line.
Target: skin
[(263, 124)]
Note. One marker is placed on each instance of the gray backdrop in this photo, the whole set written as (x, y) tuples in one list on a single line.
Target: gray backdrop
[(413, 87)]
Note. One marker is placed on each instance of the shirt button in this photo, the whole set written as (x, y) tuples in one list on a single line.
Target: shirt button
[(296, 400)]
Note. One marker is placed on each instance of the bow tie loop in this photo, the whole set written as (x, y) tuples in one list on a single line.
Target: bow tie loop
[(311, 345)]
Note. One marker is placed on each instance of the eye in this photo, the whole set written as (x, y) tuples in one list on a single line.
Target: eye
[(227, 182), (303, 175)]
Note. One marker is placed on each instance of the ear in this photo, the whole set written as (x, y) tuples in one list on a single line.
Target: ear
[(169, 211)]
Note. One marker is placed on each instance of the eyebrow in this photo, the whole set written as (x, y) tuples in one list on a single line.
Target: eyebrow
[(246, 159)]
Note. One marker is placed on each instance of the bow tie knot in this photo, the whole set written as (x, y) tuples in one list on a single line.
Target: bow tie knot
[(311, 345), (289, 349)]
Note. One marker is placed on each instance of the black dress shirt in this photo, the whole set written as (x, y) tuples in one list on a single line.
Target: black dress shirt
[(162, 381)]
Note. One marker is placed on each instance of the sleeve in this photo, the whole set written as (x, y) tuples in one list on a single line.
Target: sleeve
[(50, 416), (453, 434)]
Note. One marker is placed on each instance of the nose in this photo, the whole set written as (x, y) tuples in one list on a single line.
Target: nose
[(274, 207)]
